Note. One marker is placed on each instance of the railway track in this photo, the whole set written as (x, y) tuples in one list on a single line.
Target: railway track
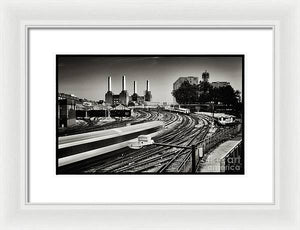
[(157, 158), (127, 156), (95, 124), (81, 166), (178, 161)]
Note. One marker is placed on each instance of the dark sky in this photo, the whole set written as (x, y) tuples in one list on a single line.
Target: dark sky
[(86, 76)]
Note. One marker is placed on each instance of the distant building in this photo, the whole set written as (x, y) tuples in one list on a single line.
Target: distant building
[(152, 104), (62, 96), (205, 76), (100, 107), (66, 109), (140, 99), (80, 107), (109, 97), (219, 84), (135, 97), (124, 98), (192, 80), (120, 111), (115, 99), (120, 107), (66, 112)]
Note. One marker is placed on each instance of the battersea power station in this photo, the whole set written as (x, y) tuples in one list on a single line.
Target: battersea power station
[(124, 98)]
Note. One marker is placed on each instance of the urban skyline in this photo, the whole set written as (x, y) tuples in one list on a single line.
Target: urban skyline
[(86, 76)]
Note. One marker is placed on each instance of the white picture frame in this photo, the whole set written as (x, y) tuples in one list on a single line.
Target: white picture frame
[(42, 184), (284, 214)]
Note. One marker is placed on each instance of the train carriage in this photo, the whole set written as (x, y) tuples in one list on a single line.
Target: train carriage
[(83, 146), (224, 119), (177, 110)]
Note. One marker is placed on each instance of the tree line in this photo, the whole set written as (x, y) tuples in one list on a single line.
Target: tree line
[(206, 93)]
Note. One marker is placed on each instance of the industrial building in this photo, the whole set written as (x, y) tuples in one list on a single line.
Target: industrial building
[(66, 112), (124, 98), (135, 97), (192, 80)]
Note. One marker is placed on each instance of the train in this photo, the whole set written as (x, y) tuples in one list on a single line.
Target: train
[(79, 147), (225, 119), (177, 110), (221, 119)]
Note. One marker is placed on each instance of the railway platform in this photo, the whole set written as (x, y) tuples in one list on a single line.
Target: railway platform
[(214, 163)]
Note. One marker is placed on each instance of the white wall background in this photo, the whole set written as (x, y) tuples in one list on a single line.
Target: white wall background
[(189, 12)]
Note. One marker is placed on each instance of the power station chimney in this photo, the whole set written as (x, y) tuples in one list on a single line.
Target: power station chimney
[(123, 96), (123, 83), (148, 94), (134, 87), (109, 83), (109, 94)]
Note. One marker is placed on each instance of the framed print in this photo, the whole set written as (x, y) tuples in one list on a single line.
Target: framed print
[(193, 124), (182, 118), (174, 128)]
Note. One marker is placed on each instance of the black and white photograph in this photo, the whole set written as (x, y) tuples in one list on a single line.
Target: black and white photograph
[(150, 114)]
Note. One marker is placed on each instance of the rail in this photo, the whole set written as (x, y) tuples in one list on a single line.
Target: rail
[(205, 145), (235, 153)]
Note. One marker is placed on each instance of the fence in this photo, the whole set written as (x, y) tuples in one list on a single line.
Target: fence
[(232, 162), (205, 145), (103, 113)]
